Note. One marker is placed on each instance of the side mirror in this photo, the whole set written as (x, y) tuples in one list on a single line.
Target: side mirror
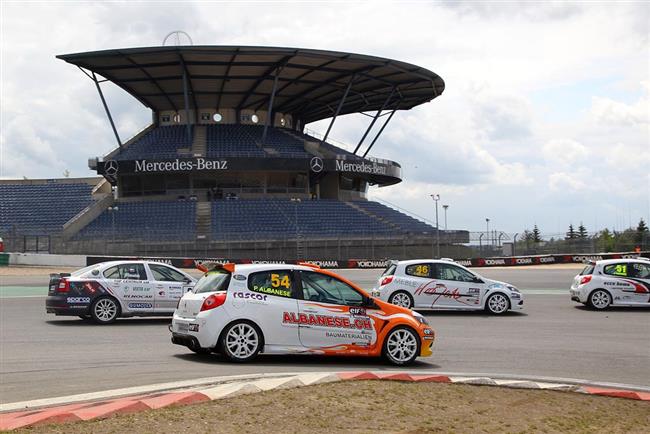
[(477, 280), (187, 280)]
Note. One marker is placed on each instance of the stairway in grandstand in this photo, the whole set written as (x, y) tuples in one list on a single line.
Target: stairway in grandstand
[(203, 220), (374, 216), (199, 143)]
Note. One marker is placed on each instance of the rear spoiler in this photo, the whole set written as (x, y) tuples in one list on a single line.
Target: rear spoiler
[(213, 266)]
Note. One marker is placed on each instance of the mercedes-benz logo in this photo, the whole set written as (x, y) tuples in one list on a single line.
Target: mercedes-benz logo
[(110, 167), (316, 164)]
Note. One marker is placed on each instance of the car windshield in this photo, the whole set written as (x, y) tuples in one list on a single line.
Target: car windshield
[(83, 270), (212, 281), (390, 270), (587, 270)]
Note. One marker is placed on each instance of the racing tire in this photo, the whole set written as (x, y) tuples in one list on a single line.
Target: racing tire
[(401, 346), (105, 310), (402, 299), (599, 299), (241, 341), (497, 304)]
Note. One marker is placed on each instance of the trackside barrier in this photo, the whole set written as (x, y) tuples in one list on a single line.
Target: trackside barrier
[(382, 263)]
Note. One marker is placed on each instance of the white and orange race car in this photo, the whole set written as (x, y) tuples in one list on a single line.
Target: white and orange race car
[(242, 310)]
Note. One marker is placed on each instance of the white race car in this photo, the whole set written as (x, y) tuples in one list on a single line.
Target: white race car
[(242, 310), (108, 290), (613, 282), (445, 285)]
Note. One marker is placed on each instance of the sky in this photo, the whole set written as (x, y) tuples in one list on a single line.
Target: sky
[(545, 118)]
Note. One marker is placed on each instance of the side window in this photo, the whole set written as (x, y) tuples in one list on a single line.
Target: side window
[(419, 270), (275, 282), (451, 272), (327, 289), (620, 270), (640, 271), (165, 274), (126, 271), (390, 270)]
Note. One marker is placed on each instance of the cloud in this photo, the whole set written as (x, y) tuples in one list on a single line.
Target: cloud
[(483, 144), (564, 152), (610, 112)]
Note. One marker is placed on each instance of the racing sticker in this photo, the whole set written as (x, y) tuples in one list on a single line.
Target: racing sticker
[(140, 305), (278, 283), (80, 300), (326, 321)]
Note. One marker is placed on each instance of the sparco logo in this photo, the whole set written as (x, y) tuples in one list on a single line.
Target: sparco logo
[(316, 165), (110, 167)]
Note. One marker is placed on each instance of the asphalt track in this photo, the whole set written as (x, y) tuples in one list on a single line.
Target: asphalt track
[(45, 356)]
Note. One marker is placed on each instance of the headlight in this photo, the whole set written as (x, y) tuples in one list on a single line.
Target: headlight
[(512, 289), (420, 318)]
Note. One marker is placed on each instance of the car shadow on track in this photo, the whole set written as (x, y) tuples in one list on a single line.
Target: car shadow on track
[(71, 322), (614, 309), (473, 314), (326, 362)]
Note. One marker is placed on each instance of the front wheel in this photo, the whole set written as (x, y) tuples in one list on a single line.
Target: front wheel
[(600, 299), (241, 341), (401, 346), (402, 299), (105, 310), (497, 304)]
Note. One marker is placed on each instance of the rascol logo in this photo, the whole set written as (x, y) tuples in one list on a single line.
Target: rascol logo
[(316, 165), (111, 167)]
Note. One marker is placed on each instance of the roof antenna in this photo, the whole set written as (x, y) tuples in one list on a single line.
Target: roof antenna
[(176, 38)]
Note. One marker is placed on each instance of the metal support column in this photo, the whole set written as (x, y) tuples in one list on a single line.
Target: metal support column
[(269, 112), (338, 109), (374, 119), (108, 112), (187, 108), (379, 133)]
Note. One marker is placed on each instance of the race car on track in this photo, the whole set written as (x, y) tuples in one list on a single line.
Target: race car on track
[(445, 285), (613, 282), (109, 290), (242, 310)]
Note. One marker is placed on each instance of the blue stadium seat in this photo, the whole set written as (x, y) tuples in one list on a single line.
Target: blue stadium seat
[(40, 209), (146, 220)]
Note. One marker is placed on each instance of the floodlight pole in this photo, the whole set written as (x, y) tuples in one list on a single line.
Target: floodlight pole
[(269, 112), (436, 198), (374, 119), (108, 112), (338, 108)]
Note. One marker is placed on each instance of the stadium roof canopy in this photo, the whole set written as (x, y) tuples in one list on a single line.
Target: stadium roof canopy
[(309, 84)]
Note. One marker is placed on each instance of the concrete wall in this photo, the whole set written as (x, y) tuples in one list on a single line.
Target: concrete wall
[(47, 260)]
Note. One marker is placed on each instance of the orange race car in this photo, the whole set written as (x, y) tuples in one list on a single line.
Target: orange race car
[(242, 310)]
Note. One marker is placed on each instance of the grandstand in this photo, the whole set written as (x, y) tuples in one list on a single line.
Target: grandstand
[(226, 168)]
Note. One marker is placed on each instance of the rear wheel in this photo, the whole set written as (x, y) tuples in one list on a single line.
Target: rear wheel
[(497, 304), (401, 346), (105, 310), (401, 298), (600, 299), (241, 341)]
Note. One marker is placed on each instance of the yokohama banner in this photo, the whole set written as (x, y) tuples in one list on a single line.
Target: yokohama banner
[(382, 263)]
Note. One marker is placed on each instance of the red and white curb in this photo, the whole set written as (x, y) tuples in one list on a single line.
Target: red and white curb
[(122, 401)]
